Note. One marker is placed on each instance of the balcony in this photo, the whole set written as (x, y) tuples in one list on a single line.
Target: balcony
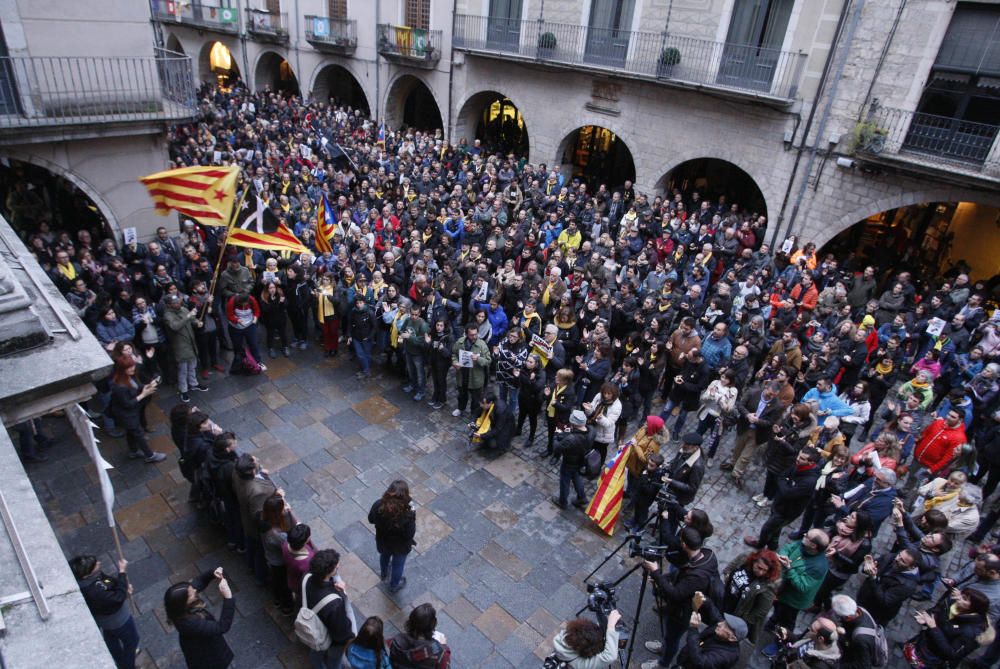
[(268, 26), (338, 36), (224, 20), (409, 46), (56, 92), (929, 143), (681, 61)]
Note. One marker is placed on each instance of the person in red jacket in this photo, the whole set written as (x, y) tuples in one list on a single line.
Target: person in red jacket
[(805, 295), (938, 444)]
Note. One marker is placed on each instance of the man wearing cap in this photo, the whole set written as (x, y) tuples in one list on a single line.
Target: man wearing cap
[(572, 444), (687, 469), (718, 645)]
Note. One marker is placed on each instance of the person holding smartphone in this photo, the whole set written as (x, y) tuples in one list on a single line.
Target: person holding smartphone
[(201, 634)]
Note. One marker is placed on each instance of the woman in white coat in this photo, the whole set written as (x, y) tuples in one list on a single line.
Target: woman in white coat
[(602, 413)]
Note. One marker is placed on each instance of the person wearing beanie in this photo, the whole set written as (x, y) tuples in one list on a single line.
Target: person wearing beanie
[(573, 444), (648, 439)]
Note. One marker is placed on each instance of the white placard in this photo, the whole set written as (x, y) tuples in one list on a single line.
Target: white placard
[(130, 235), (935, 326), (464, 358)]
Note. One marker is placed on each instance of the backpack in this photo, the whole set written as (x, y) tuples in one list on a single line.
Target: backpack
[(308, 627), (878, 634), (592, 465), (553, 662)]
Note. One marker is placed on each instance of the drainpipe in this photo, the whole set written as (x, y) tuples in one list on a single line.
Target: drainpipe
[(451, 72), (378, 75), (248, 75), (295, 45), (824, 119), (838, 31)]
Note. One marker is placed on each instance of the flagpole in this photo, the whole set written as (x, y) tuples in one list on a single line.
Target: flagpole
[(222, 255), (121, 558)]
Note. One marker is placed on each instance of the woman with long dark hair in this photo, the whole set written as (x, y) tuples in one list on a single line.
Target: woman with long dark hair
[(531, 385), (278, 518), (421, 646), (395, 524), (442, 341), (274, 313), (851, 542), (949, 631), (201, 635), (126, 408), (367, 650)]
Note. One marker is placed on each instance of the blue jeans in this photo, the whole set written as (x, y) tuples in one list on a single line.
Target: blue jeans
[(416, 372), (567, 476), (397, 562), (248, 337), (122, 643), (363, 349), (509, 396)]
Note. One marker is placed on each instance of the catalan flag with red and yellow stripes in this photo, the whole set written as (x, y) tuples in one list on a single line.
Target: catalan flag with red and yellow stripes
[(606, 506), (325, 226), (206, 194)]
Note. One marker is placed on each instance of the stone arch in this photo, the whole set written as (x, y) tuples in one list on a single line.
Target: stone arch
[(204, 63), (272, 71), (825, 232), (337, 82), (721, 177), (469, 122), (174, 43), (615, 167), (86, 187), (410, 101)]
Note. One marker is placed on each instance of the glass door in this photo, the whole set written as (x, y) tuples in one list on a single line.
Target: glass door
[(9, 101), (752, 51), (503, 27), (609, 31)]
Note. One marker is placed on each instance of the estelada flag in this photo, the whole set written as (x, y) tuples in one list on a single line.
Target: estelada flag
[(257, 227), (206, 194), (606, 505), (325, 226)]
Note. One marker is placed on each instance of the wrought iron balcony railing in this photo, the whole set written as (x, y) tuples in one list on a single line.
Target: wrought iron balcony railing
[(689, 60), (271, 26), (413, 46), (921, 137), (333, 35), (56, 91), (198, 15)]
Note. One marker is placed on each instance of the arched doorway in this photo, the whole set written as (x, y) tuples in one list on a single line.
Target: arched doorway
[(410, 103), (597, 156), (496, 121), (711, 179), (928, 238), (336, 84), (274, 73), (31, 195), (217, 65)]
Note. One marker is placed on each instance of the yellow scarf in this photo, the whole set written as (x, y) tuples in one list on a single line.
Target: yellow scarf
[(69, 271), (545, 295), (482, 425), (556, 392), (938, 500), (394, 329), (324, 304)]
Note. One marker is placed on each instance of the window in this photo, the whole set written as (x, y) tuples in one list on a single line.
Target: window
[(336, 9), (609, 31), (504, 23), (753, 45), (274, 6), (418, 14), (959, 109)]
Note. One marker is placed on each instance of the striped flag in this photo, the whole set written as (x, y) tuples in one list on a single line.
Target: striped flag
[(257, 227), (325, 226), (381, 135), (206, 194), (606, 506)]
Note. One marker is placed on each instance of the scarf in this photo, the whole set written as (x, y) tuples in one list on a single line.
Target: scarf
[(916, 383), (844, 544), (556, 393), (68, 271), (828, 468), (938, 500), (884, 366)]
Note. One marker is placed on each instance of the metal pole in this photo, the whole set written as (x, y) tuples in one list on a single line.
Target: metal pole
[(29, 571)]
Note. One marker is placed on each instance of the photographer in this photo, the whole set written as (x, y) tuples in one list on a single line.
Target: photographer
[(583, 644), (646, 487), (816, 647), (685, 472), (698, 573)]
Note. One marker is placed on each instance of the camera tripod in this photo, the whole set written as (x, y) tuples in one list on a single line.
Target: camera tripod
[(602, 619)]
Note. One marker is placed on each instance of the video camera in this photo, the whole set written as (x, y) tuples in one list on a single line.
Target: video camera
[(601, 598)]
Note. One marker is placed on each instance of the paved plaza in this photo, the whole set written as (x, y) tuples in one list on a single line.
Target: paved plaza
[(499, 561)]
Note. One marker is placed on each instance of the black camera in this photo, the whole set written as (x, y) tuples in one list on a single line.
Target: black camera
[(601, 598), (665, 499)]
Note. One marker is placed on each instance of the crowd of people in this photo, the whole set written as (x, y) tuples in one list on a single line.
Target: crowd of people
[(508, 291)]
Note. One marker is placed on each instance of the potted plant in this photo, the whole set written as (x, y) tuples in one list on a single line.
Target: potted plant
[(867, 136), (669, 57), (546, 44)]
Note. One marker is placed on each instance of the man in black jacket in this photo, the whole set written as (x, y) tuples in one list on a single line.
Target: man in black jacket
[(698, 574), (889, 583), (686, 470), (857, 643), (497, 438), (321, 582), (718, 645), (758, 411), (573, 445), (361, 333), (106, 597), (795, 488)]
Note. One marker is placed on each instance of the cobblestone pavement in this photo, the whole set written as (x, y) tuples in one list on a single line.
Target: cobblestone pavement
[(502, 564)]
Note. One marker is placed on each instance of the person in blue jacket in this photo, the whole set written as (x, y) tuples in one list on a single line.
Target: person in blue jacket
[(827, 400)]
